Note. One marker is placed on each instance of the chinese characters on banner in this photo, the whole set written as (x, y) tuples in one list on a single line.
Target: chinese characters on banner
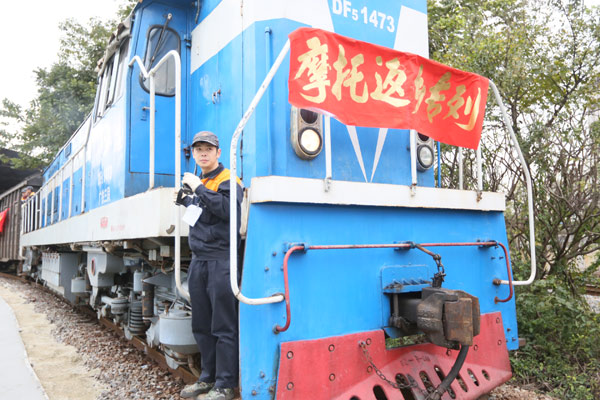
[(362, 84)]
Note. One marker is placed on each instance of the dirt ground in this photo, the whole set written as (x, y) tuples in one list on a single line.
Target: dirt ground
[(75, 358), (58, 366)]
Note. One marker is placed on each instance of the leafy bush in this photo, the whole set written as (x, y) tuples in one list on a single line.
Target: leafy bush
[(562, 354)]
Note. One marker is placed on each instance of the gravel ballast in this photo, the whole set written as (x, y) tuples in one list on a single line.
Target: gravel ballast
[(123, 372)]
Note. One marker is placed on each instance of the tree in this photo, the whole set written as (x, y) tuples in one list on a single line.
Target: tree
[(544, 56), (66, 94)]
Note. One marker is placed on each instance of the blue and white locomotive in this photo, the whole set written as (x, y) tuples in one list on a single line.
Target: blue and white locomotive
[(347, 235)]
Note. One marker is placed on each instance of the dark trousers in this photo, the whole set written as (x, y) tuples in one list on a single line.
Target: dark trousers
[(214, 321)]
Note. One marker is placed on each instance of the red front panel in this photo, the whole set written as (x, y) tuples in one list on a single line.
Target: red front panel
[(336, 368)]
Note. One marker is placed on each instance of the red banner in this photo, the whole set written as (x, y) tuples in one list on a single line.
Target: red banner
[(363, 84), (3, 217)]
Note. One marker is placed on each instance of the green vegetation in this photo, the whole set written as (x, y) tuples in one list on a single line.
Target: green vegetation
[(562, 355), (544, 56), (66, 92)]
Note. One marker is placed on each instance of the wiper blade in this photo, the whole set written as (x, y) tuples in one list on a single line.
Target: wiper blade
[(161, 37)]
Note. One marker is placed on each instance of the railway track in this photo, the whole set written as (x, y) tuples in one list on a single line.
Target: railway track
[(592, 290), (136, 342)]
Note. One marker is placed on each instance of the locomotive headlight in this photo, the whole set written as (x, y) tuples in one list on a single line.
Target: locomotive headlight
[(424, 157), (310, 141), (306, 137)]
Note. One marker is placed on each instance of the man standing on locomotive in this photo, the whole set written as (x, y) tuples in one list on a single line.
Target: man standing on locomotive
[(214, 307)]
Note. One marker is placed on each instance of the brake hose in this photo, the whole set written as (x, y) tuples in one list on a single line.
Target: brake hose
[(441, 389)]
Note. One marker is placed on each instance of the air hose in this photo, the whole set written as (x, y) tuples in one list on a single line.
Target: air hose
[(441, 389)]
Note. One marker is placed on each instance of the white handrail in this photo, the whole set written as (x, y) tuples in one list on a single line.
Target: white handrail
[(479, 172), (150, 74), (529, 190), (233, 231), (413, 161), (328, 173), (146, 75), (152, 129), (460, 168)]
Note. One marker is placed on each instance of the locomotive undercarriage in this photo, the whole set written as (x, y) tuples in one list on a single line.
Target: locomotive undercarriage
[(130, 283)]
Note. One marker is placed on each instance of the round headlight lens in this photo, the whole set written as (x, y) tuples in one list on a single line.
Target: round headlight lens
[(425, 156), (310, 141)]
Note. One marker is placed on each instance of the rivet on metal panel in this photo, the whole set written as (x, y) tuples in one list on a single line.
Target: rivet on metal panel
[(499, 342), (254, 393), (448, 352), (331, 347), (262, 374), (332, 377), (274, 254), (290, 385), (497, 320), (368, 341), (369, 369), (266, 269), (475, 347), (290, 355)]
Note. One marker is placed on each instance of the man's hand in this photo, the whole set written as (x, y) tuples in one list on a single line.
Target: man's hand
[(176, 196), (191, 180)]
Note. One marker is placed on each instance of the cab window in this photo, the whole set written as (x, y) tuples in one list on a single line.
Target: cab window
[(112, 79), (160, 41), (122, 69)]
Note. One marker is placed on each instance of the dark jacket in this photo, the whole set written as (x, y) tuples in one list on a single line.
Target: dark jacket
[(209, 237)]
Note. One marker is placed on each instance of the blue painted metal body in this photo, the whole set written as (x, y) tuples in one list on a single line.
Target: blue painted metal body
[(333, 292)]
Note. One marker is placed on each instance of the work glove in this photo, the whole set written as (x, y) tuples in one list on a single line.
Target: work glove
[(178, 196), (191, 180)]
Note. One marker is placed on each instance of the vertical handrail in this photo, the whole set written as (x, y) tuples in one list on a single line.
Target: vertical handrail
[(479, 172), (460, 169), (150, 74), (277, 298), (26, 217), (269, 149), (39, 210), (146, 75), (22, 208), (529, 190), (439, 163), (152, 129), (53, 195), (33, 205), (72, 186), (413, 161), (84, 162), (60, 198), (328, 169), (45, 217)]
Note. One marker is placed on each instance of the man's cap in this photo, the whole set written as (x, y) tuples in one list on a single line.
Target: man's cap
[(26, 188), (206, 137)]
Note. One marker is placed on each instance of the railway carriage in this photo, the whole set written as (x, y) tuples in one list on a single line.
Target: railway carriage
[(11, 257), (350, 250)]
